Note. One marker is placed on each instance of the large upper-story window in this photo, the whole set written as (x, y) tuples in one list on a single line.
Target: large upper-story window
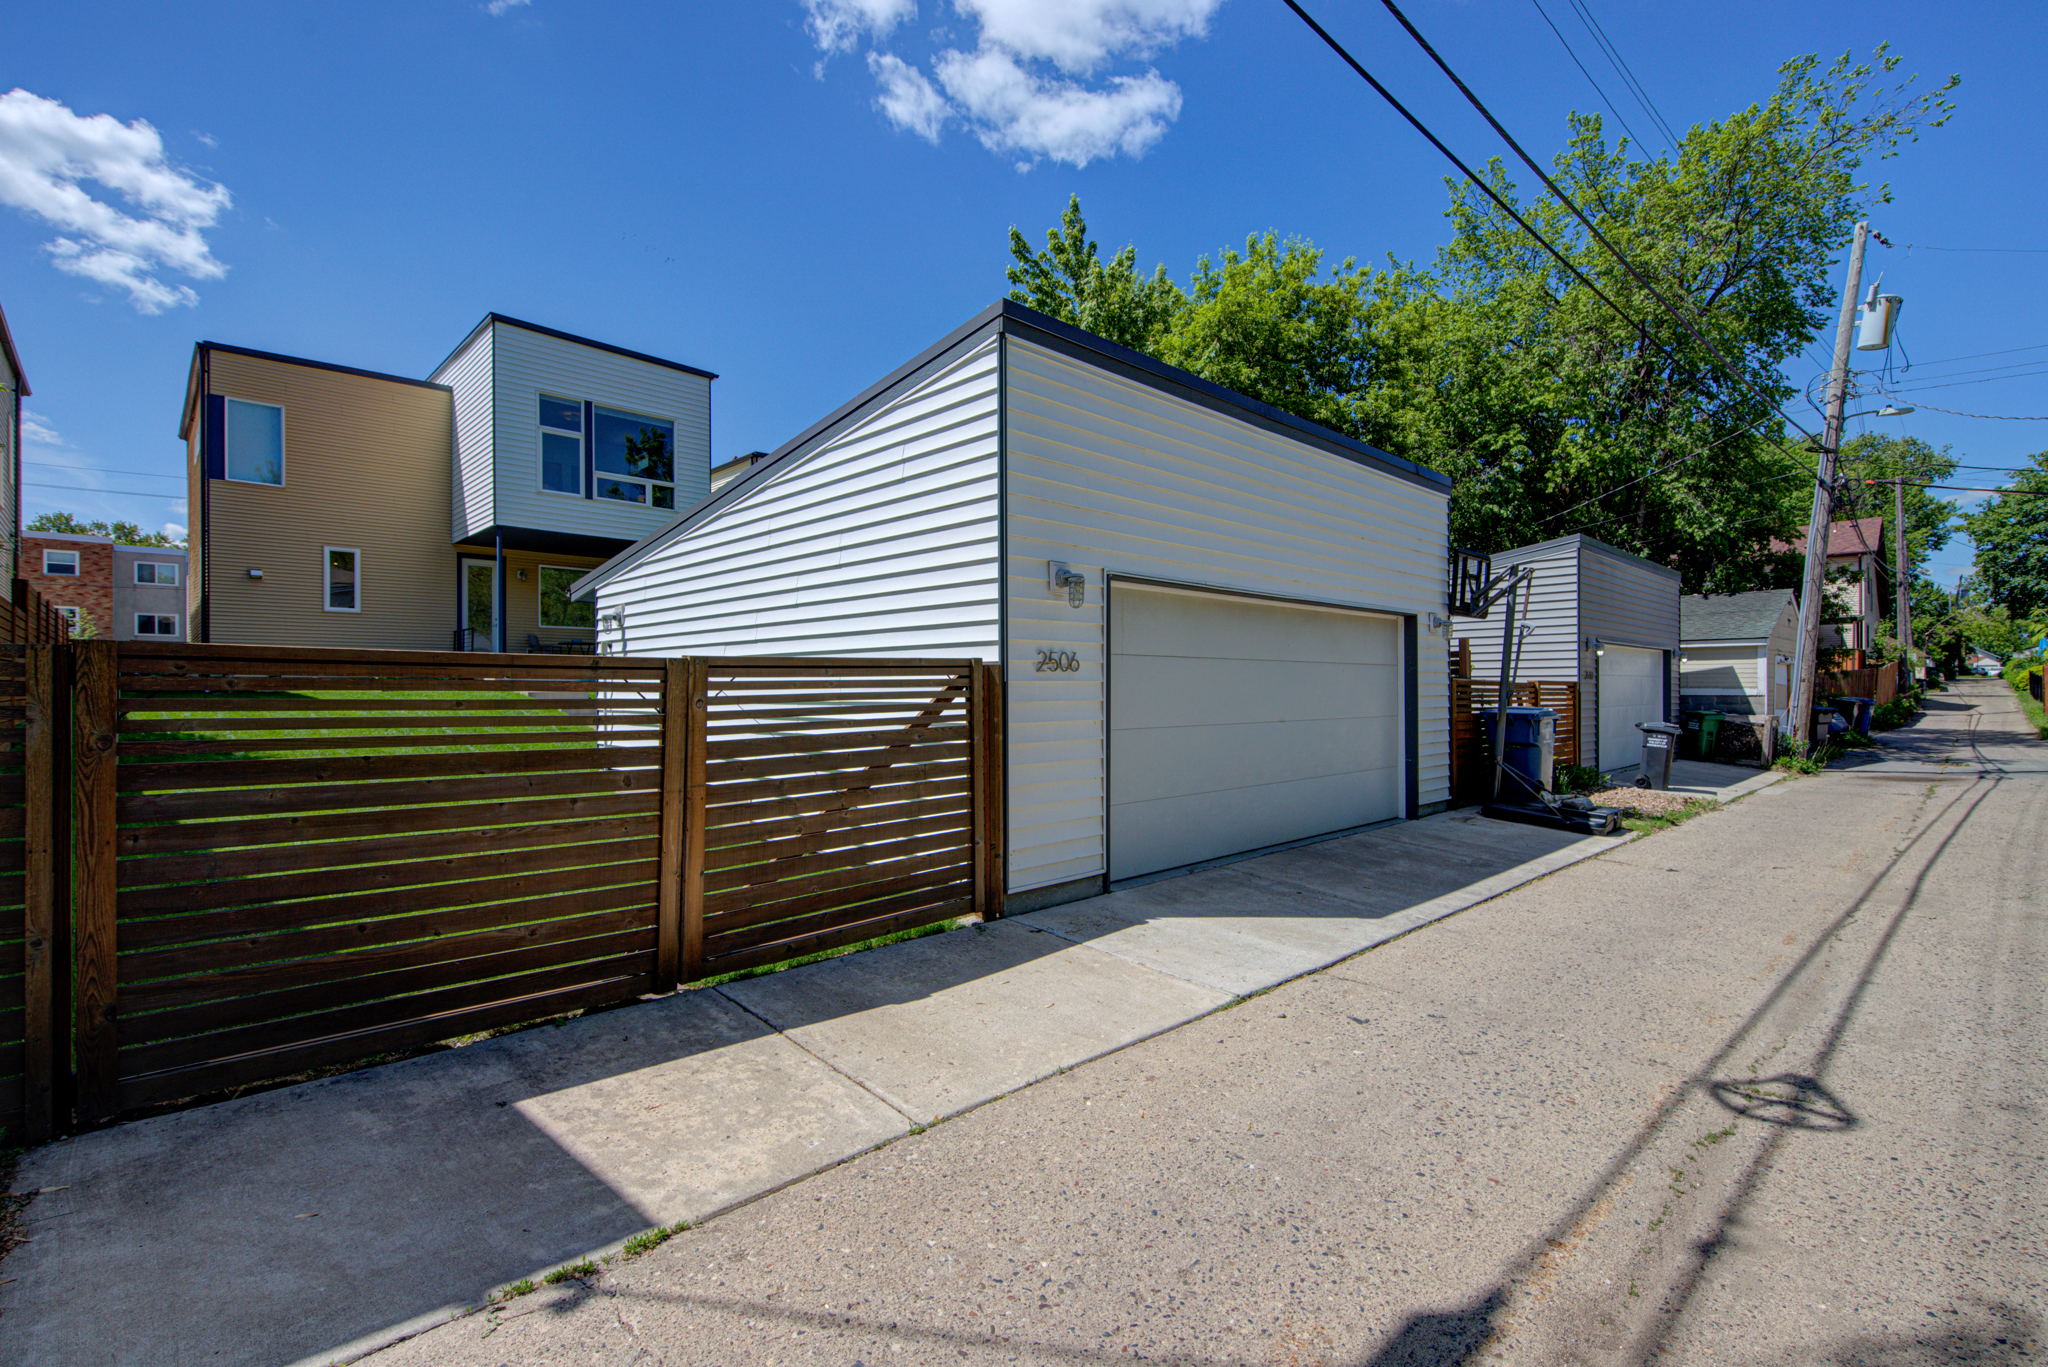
[(156, 572), (635, 458), (254, 442), (561, 445)]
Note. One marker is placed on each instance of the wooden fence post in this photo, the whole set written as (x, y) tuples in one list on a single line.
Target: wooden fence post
[(668, 907), (694, 708), (41, 1029), (991, 882), (94, 711)]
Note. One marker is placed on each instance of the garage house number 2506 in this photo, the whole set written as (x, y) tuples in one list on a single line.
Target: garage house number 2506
[(1058, 662)]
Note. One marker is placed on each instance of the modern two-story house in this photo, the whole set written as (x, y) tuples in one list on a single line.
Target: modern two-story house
[(338, 506)]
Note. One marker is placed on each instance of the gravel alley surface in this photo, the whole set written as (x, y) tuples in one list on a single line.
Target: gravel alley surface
[(1763, 1088)]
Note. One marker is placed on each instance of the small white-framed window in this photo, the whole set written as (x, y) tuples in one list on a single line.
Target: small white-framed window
[(156, 624), (69, 614), (252, 444), (162, 572), (342, 582), (561, 445), (61, 563), (557, 608)]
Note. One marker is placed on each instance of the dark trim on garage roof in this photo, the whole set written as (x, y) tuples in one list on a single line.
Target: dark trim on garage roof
[(283, 359), (1008, 317), (1580, 539), (591, 342), (13, 357)]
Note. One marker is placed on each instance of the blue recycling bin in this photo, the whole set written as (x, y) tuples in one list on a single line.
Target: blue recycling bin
[(1856, 712), (1529, 745)]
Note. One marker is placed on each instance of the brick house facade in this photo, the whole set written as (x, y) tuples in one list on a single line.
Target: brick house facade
[(90, 590)]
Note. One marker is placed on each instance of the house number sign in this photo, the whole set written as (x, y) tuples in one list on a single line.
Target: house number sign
[(1058, 662)]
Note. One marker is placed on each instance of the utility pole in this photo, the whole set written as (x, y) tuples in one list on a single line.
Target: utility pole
[(1902, 615), (1806, 653)]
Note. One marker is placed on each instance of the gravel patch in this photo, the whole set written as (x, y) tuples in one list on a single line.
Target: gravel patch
[(1645, 801)]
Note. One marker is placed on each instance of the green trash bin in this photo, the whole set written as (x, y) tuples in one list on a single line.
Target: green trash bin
[(1702, 732)]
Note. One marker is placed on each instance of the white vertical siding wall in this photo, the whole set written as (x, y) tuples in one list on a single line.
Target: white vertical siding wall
[(526, 365), (880, 542), (1116, 477), (468, 374)]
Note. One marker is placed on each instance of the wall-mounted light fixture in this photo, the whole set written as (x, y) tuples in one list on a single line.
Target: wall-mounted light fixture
[(255, 574), (522, 576), (1062, 578)]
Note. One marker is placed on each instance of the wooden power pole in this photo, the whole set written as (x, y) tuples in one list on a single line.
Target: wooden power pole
[(1902, 615), (1806, 650)]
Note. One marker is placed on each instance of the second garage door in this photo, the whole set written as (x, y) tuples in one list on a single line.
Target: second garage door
[(1631, 690), (1237, 723)]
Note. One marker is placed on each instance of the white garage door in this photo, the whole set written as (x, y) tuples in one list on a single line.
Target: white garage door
[(1236, 724), (1631, 690)]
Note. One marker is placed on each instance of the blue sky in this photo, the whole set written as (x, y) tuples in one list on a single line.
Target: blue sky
[(800, 197)]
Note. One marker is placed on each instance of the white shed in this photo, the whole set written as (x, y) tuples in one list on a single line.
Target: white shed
[(1594, 613), (1214, 618)]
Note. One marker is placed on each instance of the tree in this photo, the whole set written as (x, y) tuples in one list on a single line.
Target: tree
[(2011, 534), (127, 533), (1502, 369)]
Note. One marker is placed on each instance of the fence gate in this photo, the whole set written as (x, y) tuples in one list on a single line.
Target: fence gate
[(832, 803)]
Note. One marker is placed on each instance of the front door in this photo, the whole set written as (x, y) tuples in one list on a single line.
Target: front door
[(479, 604)]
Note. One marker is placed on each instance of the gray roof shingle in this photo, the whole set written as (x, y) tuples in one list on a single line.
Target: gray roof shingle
[(1730, 616)]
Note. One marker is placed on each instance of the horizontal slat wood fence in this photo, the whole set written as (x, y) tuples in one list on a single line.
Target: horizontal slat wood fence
[(288, 859), (837, 804), (1470, 778)]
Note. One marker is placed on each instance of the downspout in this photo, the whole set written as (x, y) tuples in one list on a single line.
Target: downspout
[(498, 607)]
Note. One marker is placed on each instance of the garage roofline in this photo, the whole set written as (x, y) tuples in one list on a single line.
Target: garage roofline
[(1006, 317)]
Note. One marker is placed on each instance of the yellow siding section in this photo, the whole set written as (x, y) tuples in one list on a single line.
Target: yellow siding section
[(366, 465), (522, 596)]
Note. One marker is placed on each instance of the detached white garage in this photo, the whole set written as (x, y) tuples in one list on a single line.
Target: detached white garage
[(1215, 619), (1594, 613)]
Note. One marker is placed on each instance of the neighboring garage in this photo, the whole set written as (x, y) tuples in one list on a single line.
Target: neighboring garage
[(1215, 619), (1594, 613)]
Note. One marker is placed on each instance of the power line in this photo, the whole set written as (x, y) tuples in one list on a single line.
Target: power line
[(1967, 489), (1569, 52), (1980, 355), (1658, 470), (118, 493), (1728, 367), (1622, 68), (100, 469), (1963, 384), (2002, 251), (1990, 417)]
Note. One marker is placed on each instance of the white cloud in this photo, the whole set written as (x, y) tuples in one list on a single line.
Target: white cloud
[(838, 25), (47, 156), (909, 100), (1029, 86), (1014, 111), (498, 7), (36, 430), (174, 530), (1078, 36)]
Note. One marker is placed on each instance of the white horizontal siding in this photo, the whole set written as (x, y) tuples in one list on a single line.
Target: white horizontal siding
[(1629, 602), (1548, 605), (881, 542), (1116, 477), (1720, 669), (468, 374), (526, 365)]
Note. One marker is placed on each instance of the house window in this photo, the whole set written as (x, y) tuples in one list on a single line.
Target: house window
[(155, 572), (561, 445), (557, 609), (342, 589), (634, 456), (156, 624), (70, 616), (60, 562), (254, 442)]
